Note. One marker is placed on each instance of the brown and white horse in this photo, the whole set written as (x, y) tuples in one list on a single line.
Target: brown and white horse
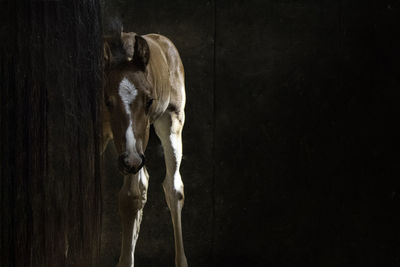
[(144, 85)]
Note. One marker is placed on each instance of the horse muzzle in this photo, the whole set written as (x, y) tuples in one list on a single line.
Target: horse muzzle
[(126, 168)]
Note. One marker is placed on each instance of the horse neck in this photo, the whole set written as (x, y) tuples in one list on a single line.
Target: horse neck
[(159, 76)]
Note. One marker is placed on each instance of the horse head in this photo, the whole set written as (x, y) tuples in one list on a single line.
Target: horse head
[(128, 97)]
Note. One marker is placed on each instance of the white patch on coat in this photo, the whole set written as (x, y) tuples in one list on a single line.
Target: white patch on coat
[(127, 91), (130, 142)]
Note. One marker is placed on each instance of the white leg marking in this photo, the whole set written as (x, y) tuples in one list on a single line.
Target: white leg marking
[(169, 129)]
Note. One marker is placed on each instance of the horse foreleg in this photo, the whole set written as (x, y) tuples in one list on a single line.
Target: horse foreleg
[(132, 198), (169, 130)]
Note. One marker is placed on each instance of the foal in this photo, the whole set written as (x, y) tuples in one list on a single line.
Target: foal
[(144, 84)]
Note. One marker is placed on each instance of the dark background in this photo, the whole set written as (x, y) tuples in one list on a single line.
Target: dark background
[(289, 134), (290, 141)]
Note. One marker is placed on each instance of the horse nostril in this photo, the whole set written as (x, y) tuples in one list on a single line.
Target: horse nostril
[(143, 159), (123, 159)]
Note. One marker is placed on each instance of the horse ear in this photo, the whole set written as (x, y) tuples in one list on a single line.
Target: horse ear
[(128, 42), (141, 53), (106, 55)]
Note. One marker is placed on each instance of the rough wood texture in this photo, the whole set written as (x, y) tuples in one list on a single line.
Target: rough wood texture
[(50, 67)]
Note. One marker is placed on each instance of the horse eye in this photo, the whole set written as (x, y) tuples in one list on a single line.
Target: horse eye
[(109, 103), (148, 104)]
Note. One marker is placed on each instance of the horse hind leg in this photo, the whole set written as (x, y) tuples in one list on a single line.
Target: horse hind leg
[(131, 199), (169, 130)]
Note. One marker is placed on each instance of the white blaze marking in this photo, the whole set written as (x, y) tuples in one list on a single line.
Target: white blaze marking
[(128, 93), (130, 141)]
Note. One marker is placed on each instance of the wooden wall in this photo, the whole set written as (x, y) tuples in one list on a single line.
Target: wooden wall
[(50, 87)]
